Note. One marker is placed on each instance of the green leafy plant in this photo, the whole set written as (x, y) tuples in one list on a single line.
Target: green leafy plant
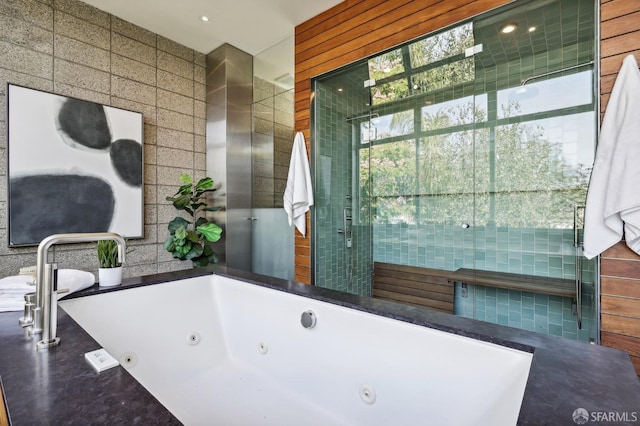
[(107, 254), (191, 240)]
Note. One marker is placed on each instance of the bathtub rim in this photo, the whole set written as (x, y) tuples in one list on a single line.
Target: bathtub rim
[(558, 366), (233, 301), (416, 315)]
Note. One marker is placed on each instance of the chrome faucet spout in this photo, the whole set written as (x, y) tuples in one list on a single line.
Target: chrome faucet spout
[(45, 311)]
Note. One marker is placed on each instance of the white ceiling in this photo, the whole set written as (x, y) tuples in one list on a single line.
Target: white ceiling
[(249, 25)]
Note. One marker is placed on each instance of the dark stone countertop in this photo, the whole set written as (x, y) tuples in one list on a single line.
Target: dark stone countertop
[(59, 387)]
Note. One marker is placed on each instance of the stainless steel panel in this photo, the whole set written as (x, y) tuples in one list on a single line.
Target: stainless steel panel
[(229, 98)]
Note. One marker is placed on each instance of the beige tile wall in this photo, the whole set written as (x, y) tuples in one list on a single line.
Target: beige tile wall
[(72, 49)]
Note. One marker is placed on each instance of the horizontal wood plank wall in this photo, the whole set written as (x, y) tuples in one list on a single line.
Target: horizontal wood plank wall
[(619, 37), (352, 30), (620, 267), (426, 287), (620, 299)]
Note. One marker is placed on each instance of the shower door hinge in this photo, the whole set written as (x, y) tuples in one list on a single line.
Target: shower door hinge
[(470, 51), (370, 82)]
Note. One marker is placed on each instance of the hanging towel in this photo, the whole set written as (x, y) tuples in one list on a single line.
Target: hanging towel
[(298, 195), (613, 199)]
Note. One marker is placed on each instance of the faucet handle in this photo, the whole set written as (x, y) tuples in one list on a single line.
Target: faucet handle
[(29, 304)]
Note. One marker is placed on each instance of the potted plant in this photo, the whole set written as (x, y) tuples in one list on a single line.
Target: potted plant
[(110, 270), (191, 239)]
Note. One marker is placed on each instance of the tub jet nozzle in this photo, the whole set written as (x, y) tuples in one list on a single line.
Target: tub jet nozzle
[(308, 319)]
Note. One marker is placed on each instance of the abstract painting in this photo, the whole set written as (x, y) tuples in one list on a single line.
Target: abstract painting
[(73, 166)]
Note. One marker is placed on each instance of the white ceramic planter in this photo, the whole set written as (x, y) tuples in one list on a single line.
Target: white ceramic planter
[(109, 277)]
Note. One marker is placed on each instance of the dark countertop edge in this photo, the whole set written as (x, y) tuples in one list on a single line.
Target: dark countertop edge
[(564, 375)]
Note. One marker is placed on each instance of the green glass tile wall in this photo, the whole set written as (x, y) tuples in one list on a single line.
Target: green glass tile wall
[(534, 312), (337, 266), (542, 252), (477, 147)]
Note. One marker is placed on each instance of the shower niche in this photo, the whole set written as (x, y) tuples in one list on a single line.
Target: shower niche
[(469, 149)]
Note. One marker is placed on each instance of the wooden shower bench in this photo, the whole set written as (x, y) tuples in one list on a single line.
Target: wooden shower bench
[(434, 288), (426, 287), (531, 283)]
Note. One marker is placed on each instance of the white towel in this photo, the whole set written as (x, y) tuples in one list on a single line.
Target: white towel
[(298, 195), (74, 280), (13, 289), (613, 200)]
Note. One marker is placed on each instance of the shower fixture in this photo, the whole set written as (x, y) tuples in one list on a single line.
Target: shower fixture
[(358, 117), (578, 244), (535, 77), (347, 232)]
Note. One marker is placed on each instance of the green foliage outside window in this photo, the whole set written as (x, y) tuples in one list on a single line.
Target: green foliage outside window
[(461, 163)]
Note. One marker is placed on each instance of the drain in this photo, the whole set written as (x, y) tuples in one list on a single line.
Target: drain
[(367, 394), (128, 360), (193, 338), (263, 348)]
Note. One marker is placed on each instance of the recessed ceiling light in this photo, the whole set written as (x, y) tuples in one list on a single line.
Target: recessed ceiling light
[(340, 89), (387, 69), (509, 28), (532, 29), (204, 18)]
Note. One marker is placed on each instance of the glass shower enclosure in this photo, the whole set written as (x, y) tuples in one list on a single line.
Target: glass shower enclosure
[(468, 148), (272, 239)]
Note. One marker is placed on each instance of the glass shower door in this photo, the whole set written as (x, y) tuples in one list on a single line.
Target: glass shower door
[(534, 153), (469, 148), (342, 229), (272, 239)]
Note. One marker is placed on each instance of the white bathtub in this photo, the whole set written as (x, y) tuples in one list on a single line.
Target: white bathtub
[(218, 351)]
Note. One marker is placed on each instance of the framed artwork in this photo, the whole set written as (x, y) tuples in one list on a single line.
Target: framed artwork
[(73, 166)]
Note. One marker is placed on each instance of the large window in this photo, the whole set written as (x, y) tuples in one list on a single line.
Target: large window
[(450, 138)]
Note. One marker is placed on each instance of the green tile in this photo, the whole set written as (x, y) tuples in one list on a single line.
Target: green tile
[(514, 318), (541, 310), (503, 319), (490, 301), (555, 330), (555, 319), (491, 314), (541, 299), (541, 324), (515, 295), (555, 261), (527, 314), (528, 324), (503, 309), (480, 314), (555, 308)]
